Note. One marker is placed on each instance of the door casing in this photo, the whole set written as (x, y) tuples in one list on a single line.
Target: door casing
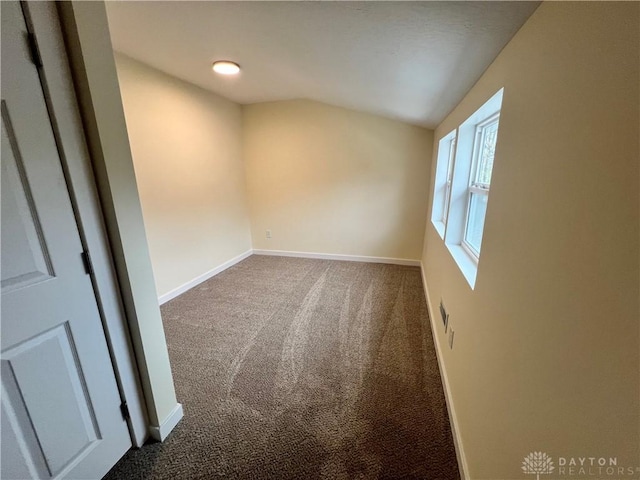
[(55, 76)]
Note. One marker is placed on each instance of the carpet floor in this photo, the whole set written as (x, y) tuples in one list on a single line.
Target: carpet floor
[(292, 368)]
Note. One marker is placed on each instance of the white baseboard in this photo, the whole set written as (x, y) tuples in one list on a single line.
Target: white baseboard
[(201, 278), (169, 423), (279, 253), (457, 441), (334, 256)]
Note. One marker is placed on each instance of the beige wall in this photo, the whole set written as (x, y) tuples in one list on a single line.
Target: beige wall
[(325, 179), (546, 352), (187, 153)]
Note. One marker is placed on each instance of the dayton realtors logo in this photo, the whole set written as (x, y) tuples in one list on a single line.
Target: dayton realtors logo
[(595, 467), (537, 463)]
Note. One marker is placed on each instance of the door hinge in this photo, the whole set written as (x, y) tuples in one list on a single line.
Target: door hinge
[(35, 51), (124, 409), (86, 260)]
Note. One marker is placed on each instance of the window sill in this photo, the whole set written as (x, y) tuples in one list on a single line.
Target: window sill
[(467, 265), (440, 227)]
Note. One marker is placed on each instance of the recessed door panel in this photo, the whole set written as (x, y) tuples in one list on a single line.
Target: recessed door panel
[(46, 372), (17, 446), (25, 257)]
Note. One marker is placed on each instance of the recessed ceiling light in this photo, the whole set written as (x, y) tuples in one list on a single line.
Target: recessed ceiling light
[(225, 67)]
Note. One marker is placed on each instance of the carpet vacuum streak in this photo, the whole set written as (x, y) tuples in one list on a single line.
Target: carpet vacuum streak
[(292, 368)]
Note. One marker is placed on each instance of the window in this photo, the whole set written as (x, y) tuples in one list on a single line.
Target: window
[(464, 168), (486, 136), (443, 184), (449, 179)]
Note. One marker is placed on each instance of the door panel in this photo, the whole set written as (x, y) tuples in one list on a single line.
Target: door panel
[(60, 403), (46, 368), (26, 258)]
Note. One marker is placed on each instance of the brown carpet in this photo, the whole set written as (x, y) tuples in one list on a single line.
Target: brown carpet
[(292, 368)]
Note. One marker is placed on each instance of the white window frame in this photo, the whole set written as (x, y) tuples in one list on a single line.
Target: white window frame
[(475, 187), (461, 183), (443, 181), (449, 179)]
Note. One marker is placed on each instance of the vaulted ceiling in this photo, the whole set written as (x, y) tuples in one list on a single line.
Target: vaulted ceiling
[(412, 61)]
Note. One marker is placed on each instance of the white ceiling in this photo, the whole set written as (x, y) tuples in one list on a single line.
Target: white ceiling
[(412, 61)]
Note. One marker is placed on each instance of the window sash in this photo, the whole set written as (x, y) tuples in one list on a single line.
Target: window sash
[(448, 181), (478, 147), (475, 186), (473, 252)]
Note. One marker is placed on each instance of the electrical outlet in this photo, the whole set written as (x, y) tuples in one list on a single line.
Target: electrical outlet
[(268, 234), (451, 332)]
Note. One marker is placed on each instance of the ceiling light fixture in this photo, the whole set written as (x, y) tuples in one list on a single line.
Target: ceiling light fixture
[(225, 67)]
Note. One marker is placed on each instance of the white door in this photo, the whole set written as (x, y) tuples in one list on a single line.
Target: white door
[(61, 414)]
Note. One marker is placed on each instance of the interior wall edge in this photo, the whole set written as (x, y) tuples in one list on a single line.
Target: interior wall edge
[(90, 55)]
